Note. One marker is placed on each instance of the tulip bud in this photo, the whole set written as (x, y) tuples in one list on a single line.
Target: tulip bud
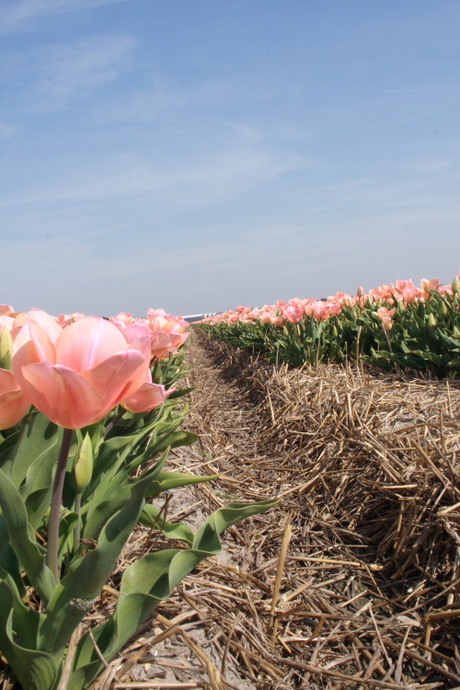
[(456, 286), (425, 285), (431, 320), (83, 468), (5, 348), (387, 325)]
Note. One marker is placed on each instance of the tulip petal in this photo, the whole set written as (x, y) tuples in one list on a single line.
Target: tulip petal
[(13, 406), (119, 376), (87, 342), (63, 395), (33, 341), (138, 337), (13, 401), (147, 397)]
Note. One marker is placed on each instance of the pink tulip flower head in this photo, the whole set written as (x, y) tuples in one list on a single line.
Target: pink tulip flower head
[(78, 373), (167, 332), (386, 316)]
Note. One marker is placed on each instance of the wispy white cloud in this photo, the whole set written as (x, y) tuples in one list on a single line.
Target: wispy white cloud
[(189, 181), (17, 15), (308, 257), (7, 131), (62, 74), (433, 165), (162, 99)]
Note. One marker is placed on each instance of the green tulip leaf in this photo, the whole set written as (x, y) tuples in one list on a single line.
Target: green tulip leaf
[(67, 524), (39, 443), (151, 517), (74, 595), (171, 480), (207, 537), (8, 561), (35, 669), (145, 584), (22, 539), (174, 440), (8, 448), (111, 495)]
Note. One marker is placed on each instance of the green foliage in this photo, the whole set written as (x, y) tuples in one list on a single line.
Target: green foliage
[(425, 337)]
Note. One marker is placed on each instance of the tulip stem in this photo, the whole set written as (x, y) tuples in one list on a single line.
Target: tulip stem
[(116, 418), (388, 340), (56, 501)]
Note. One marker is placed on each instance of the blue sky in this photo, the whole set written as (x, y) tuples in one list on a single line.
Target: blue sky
[(199, 154)]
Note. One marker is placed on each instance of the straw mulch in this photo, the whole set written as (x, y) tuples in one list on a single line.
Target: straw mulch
[(353, 580)]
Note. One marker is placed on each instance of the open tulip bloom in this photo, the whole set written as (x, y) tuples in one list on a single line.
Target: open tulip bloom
[(86, 435), (77, 374)]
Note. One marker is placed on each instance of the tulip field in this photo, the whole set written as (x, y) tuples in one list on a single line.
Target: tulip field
[(392, 326), (332, 424)]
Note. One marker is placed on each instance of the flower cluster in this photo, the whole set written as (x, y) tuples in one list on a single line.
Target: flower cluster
[(403, 292), (75, 368)]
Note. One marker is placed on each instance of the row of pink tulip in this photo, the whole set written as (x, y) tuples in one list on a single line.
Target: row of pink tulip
[(296, 309), (75, 369)]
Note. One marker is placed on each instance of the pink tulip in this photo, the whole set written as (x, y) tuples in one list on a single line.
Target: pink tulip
[(277, 320), (429, 285), (6, 310), (13, 402), (293, 313), (77, 373), (167, 332), (407, 292), (321, 310), (386, 316), (67, 319)]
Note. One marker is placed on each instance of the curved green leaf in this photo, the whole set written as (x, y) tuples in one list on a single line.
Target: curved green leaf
[(151, 517), (73, 596), (171, 480), (35, 669), (22, 539), (207, 537), (148, 582)]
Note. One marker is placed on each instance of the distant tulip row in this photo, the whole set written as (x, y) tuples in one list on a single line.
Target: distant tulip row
[(76, 369), (392, 325)]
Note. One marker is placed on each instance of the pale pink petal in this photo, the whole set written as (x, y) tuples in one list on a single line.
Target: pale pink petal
[(13, 407), (119, 376), (6, 322), (87, 342), (64, 396), (138, 337), (13, 401), (147, 397), (39, 330)]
